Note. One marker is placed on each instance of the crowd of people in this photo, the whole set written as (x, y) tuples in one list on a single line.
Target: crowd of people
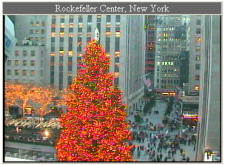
[(161, 142)]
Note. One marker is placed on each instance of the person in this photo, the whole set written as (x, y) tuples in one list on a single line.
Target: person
[(165, 160), (188, 159)]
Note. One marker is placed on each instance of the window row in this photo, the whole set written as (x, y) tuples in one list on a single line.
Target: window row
[(24, 63), (37, 23), (80, 18), (24, 72), (24, 52), (37, 31)]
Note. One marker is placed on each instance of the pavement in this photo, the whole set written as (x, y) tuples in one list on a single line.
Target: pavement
[(157, 119)]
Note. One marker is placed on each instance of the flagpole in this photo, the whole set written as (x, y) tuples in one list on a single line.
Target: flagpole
[(144, 76)]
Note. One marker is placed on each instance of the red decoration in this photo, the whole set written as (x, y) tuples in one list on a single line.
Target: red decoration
[(95, 126)]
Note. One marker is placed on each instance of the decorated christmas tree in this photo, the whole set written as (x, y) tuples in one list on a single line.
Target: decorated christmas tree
[(95, 126)]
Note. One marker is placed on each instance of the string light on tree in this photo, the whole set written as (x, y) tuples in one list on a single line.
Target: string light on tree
[(95, 126)]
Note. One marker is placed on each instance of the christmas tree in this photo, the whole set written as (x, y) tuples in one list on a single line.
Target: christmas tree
[(95, 126)]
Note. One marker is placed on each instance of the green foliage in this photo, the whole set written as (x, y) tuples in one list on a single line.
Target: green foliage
[(169, 106), (137, 118)]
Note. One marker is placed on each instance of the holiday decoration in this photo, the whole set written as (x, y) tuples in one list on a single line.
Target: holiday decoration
[(28, 95), (95, 126)]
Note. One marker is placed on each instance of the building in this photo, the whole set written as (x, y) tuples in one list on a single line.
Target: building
[(209, 125), (10, 40), (58, 42), (171, 40), (31, 27), (150, 29), (121, 36), (26, 65), (196, 32)]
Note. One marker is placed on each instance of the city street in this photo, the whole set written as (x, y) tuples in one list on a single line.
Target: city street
[(157, 119)]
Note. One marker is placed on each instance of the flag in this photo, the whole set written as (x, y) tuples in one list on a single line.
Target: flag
[(179, 93), (147, 82)]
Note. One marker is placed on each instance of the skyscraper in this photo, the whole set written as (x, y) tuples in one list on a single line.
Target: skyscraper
[(209, 126), (59, 42), (172, 39)]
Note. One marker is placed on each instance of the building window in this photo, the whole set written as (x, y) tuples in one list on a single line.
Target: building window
[(32, 73), (16, 72), (88, 39), (89, 18), (117, 34), (108, 18), (197, 66), (70, 80), (89, 29), (61, 68), (36, 31), (53, 29), (117, 59), (71, 19), (32, 53), (52, 39), (24, 53), (69, 67), (32, 62), (8, 62), (16, 62), (197, 57), (79, 29), (37, 24), (61, 29), (198, 31), (117, 18), (117, 44), (80, 18), (99, 18), (116, 74), (70, 30), (107, 29), (198, 39), (24, 62), (31, 23), (198, 48), (42, 31), (198, 22), (197, 77), (79, 49), (116, 82), (62, 20), (17, 53), (196, 87), (52, 49), (117, 29), (61, 39), (117, 68), (24, 73), (107, 43), (60, 58), (8, 72), (31, 31)]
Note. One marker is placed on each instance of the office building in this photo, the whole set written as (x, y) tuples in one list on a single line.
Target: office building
[(209, 126), (196, 32), (171, 40)]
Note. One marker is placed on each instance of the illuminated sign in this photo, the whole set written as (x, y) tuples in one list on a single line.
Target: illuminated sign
[(190, 116)]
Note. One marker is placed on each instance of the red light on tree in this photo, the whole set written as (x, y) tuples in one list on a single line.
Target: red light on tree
[(95, 127)]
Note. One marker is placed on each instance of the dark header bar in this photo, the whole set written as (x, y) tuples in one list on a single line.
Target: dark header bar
[(112, 8)]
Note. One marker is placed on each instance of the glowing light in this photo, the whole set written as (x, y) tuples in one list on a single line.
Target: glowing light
[(95, 127)]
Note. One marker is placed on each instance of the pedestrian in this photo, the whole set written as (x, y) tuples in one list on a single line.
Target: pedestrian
[(181, 150), (165, 160), (188, 159), (161, 156)]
